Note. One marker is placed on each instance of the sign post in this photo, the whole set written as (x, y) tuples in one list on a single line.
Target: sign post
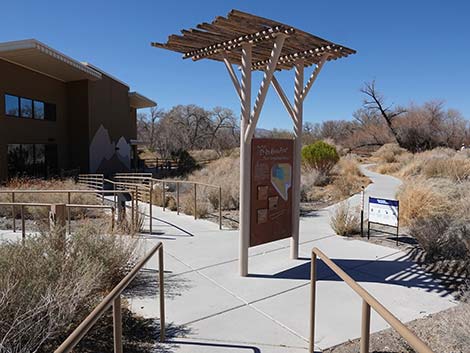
[(362, 211), (383, 212)]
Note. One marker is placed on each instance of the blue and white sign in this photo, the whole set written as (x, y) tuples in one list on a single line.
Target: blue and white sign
[(383, 211)]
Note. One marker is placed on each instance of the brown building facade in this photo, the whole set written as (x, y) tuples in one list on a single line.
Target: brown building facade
[(58, 114)]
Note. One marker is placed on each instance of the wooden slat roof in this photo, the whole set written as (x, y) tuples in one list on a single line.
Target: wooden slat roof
[(224, 36)]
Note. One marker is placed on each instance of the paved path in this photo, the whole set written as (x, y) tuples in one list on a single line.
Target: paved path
[(210, 308)]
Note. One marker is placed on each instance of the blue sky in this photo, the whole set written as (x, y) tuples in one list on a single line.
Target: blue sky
[(415, 50)]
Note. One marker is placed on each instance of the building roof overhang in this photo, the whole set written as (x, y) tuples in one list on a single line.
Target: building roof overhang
[(138, 101), (36, 56), (223, 38)]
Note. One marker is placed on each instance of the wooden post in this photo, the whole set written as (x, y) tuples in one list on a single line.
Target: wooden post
[(23, 229), (161, 272), (365, 327), (245, 159), (195, 201), (136, 206), (313, 288), (57, 224), (151, 204), (13, 211), (69, 201), (113, 215), (164, 195), (298, 122), (177, 198), (117, 324), (220, 207)]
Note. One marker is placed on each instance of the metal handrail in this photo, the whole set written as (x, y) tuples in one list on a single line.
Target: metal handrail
[(368, 302), (147, 183), (114, 299)]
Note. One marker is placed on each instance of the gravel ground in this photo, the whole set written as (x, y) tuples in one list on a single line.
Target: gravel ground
[(445, 332)]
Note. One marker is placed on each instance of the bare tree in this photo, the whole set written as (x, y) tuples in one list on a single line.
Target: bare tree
[(375, 103), (147, 126)]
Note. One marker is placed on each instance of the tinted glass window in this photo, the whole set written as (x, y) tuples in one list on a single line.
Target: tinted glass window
[(12, 105), (49, 112), (36, 160), (38, 110), (26, 108)]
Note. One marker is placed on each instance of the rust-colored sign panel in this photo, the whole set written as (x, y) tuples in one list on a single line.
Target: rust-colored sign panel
[(271, 190)]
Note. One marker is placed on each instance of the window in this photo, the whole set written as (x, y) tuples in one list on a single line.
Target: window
[(12, 105), (38, 110), (29, 108), (26, 108), (37, 160)]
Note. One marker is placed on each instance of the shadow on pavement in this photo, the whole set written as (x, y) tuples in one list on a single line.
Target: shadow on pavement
[(219, 346), (402, 272)]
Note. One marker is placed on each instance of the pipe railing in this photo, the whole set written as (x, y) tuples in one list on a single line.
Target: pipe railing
[(148, 184), (114, 299), (22, 206), (368, 302), (69, 193)]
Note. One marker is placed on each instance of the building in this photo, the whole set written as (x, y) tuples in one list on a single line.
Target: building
[(59, 114)]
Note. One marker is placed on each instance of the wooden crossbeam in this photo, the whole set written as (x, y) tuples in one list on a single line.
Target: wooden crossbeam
[(319, 52), (263, 90), (233, 76), (314, 76), (228, 45), (280, 92)]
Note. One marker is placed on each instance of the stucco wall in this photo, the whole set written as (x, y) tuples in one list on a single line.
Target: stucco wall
[(22, 82)]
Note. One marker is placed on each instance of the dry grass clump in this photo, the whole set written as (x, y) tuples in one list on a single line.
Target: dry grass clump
[(45, 291), (348, 179), (419, 199), (344, 220), (204, 155), (39, 212), (388, 153), (345, 180), (224, 172)]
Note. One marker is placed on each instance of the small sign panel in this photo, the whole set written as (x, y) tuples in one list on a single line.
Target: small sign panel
[(271, 190), (383, 211)]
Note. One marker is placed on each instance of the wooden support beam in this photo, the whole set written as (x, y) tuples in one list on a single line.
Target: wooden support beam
[(289, 58), (314, 76), (231, 44), (233, 76), (298, 122), (280, 92), (263, 90), (245, 160)]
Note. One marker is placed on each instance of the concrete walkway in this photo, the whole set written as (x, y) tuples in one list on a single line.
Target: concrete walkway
[(210, 308)]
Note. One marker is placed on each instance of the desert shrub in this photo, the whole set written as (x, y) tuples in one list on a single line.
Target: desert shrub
[(41, 213), (344, 220), (310, 178), (443, 237), (46, 291), (187, 206), (321, 156), (420, 200), (225, 172), (453, 169), (186, 163), (388, 153), (348, 178)]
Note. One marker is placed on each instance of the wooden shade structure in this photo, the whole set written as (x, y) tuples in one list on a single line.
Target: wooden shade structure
[(257, 43)]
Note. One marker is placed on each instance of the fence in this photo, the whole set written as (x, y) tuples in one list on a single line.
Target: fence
[(146, 183), (68, 201), (114, 299), (92, 181), (368, 301), (48, 205)]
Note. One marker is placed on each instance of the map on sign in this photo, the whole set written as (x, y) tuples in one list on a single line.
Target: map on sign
[(281, 178)]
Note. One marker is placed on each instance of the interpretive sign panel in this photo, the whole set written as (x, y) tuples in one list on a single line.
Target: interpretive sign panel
[(271, 190), (383, 211)]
